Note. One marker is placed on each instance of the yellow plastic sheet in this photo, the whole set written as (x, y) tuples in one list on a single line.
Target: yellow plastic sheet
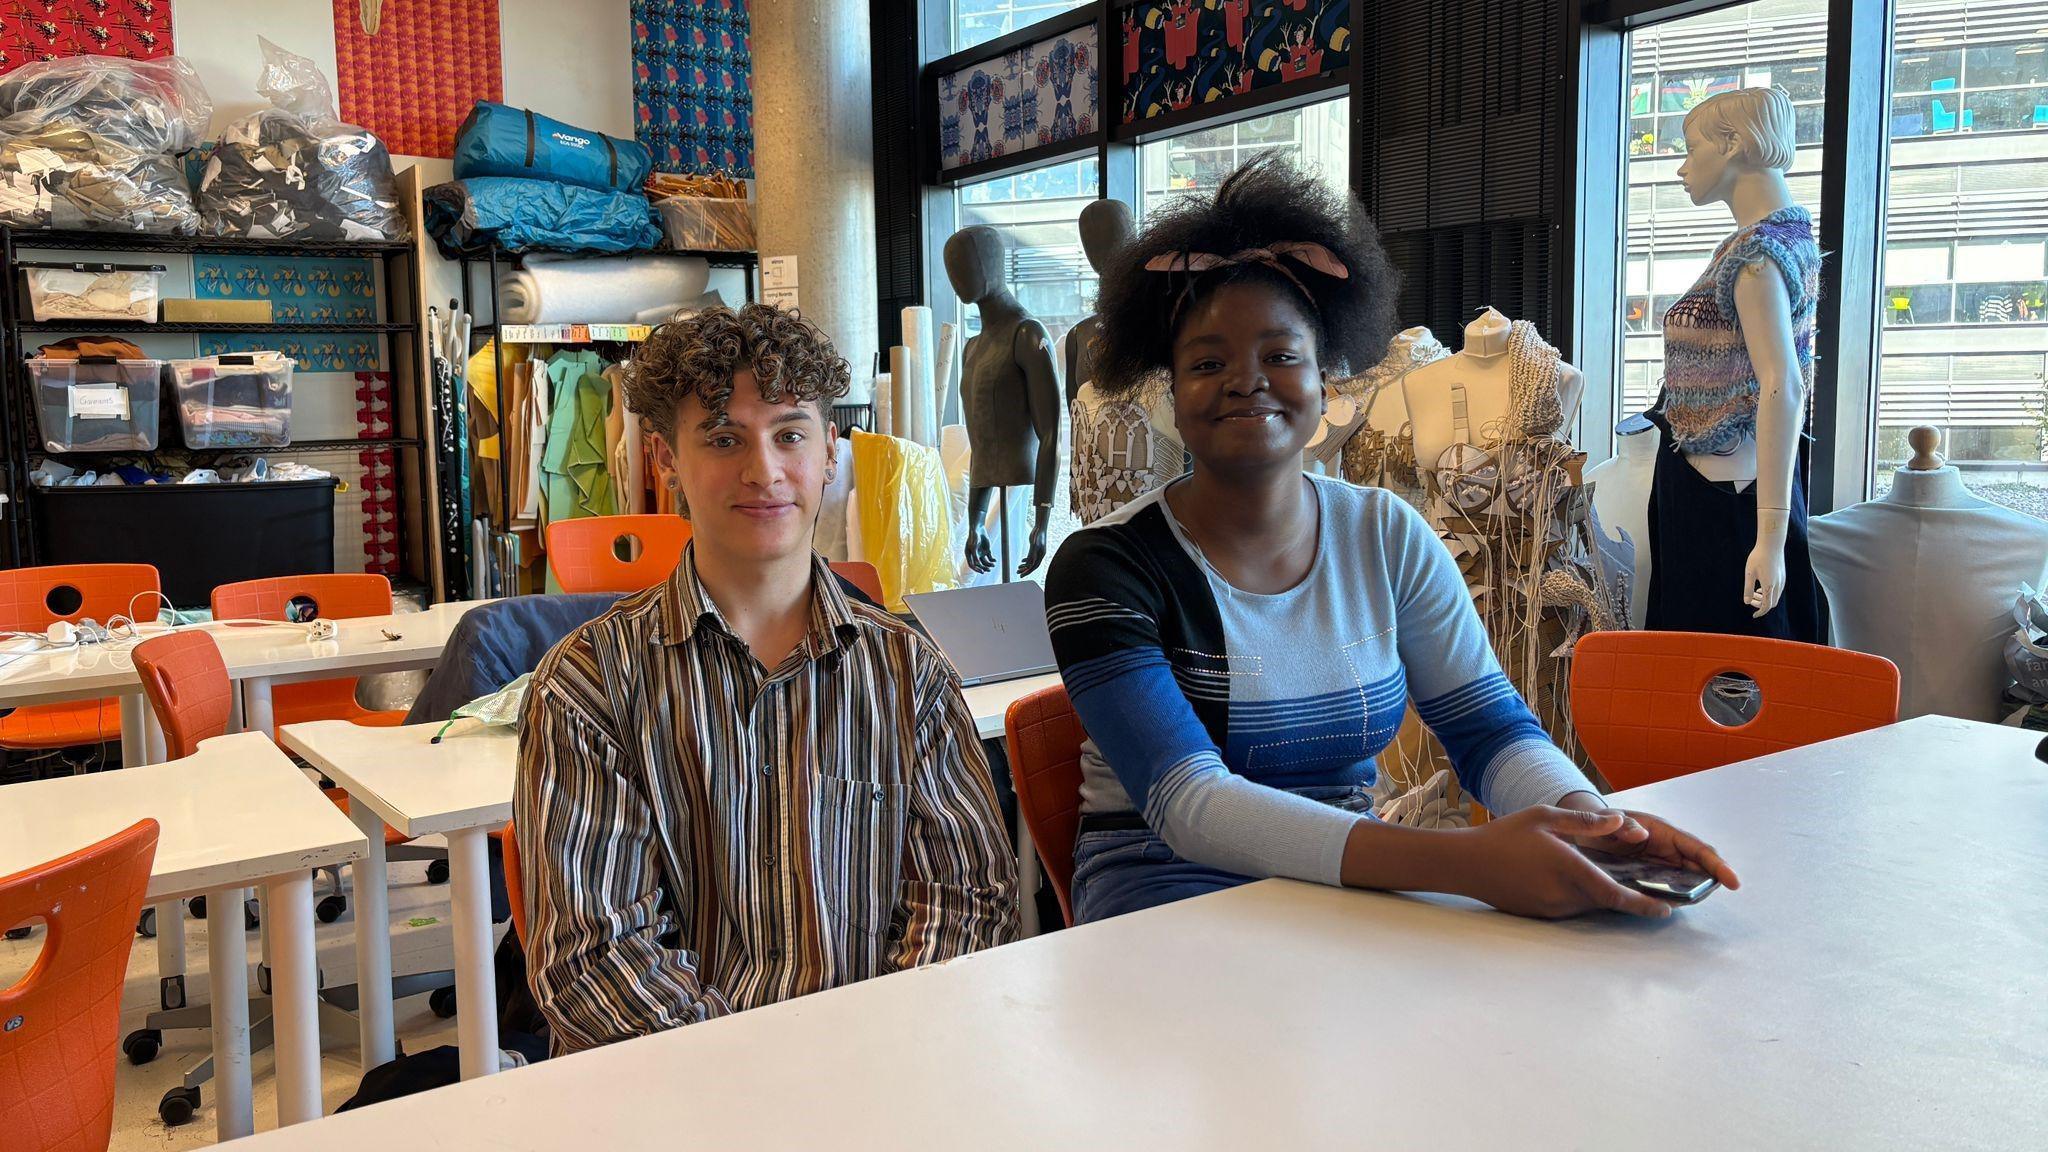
[(904, 515)]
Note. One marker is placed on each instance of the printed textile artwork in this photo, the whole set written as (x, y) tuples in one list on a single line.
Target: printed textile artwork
[(1180, 53), (55, 29), (693, 85), (1039, 95), (300, 290), (410, 70)]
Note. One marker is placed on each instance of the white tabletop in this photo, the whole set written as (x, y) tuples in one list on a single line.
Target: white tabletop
[(417, 786), (234, 813), (989, 702), (1869, 988), (278, 651)]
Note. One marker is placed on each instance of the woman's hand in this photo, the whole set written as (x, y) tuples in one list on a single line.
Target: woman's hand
[(1529, 864), (1649, 837)]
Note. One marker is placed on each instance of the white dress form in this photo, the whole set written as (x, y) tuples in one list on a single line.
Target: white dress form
[(1621, 497), (1926, 576), (1480, 372)]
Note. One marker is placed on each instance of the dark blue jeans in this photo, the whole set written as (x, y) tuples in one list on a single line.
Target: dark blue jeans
[(1132, 869)]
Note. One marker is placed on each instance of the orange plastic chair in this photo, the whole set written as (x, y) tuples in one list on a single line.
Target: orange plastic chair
[(29, 599), (1636, 700), (63, 1020), (581, 552), (861, 575), (333, 596), (1044, 738), (515, 887), (188, 688)]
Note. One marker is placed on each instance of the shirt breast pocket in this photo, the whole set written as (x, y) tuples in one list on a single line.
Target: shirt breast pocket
[(857, 831)]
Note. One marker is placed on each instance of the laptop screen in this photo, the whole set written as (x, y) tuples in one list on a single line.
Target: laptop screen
[(991, 633)]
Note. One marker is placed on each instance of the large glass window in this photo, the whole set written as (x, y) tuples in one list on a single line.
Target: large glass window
[(979, 21), (1964, 342), (1039, 214), (1673, 66), (1317, 137)]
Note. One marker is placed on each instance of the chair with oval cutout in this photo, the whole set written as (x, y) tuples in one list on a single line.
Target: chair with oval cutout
[(32, 599), (615, 553)]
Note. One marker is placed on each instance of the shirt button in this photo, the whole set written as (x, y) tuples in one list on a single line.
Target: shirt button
[(774, 954), (767, 860)]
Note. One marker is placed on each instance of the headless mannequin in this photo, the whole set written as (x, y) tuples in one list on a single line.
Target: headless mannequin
[(1009, 394), (1388, 411), (1722, 167), (1481, 368), (1925, 576), (1106, 226), (1621, 498), (1369, 400)]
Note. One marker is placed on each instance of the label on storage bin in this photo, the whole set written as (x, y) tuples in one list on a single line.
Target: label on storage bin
[(99, 402)]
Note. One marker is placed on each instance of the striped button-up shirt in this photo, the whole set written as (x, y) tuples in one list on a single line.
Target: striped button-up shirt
[(700, 835)]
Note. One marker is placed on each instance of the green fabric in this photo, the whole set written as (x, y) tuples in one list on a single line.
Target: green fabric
[(575, 469)]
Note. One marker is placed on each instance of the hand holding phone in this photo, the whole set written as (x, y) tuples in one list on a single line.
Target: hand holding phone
[(1678, 885)]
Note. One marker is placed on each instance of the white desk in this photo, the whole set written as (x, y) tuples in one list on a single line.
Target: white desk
[(461, 788), (991, 702), (235, 814), (1867, 988)]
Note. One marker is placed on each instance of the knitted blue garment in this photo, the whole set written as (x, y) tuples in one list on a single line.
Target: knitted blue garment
[(1710, 387)]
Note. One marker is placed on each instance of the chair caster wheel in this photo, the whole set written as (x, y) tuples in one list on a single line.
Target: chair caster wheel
[(437, 871), (142, 1045), (145, 926), (330, 908), (178, 1106), (197, 905), (442, 1001)]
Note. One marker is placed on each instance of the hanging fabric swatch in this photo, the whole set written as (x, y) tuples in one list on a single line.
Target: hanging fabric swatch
[(56, 29), (693, 85), (410, 70)]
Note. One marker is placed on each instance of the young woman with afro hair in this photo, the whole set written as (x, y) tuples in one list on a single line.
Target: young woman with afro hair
[(1243, 643)]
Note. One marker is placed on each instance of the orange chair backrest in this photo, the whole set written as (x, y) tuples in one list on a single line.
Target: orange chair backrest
[(582, 557), (32, 599), (515, 885), (1636, 700), (187, 685), (1044, 737), (861, 575), (325, 595), (60, 1024)]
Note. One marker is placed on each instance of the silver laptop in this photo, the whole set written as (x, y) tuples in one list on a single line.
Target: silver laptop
[(992, 633)]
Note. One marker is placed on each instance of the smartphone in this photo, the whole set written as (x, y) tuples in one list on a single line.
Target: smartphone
[(1678, 885)]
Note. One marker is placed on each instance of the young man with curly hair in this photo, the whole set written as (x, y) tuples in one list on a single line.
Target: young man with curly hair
[(739, 786)]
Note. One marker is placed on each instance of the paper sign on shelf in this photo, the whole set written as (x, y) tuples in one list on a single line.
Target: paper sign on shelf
[(99, 402), (780, 298), (778, 272)]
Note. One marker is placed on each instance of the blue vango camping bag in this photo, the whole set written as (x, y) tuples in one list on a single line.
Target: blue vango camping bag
[(498, 140)]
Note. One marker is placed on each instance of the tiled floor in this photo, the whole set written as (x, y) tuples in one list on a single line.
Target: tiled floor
[(421, 947)]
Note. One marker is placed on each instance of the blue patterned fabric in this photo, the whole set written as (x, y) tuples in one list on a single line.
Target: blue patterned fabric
[(693, 85)]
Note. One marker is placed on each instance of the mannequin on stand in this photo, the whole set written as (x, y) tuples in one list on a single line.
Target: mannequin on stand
[(1621, 496), (1124, 441), (1010, 396), (1925, 576), (1368, 401), (1106, 226), (1728, 503), (1465, 399)]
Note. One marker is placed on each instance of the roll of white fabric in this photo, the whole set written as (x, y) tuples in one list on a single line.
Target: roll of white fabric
[(918, 366), (598, 289), (947, 373), (901, 405)]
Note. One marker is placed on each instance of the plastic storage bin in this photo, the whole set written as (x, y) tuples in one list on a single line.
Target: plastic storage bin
[(234, 400), (93, 291), (707, 224), (97, 404)]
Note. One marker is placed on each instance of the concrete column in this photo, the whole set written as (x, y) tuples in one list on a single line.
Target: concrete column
[(814, 163)]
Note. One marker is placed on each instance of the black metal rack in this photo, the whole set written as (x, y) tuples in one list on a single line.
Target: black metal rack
[(399, 263), (455, 497)]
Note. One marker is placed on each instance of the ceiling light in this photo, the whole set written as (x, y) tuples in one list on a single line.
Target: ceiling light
[(1926, 40)]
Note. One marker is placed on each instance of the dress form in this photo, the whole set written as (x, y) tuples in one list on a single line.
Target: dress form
[(1106, 226), (1010, 396), (1481, 373), (1370, 401), (1926, 576), (1621, 495)]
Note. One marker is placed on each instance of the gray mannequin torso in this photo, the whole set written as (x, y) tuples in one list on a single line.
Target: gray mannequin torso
[(1080, 358), (996, 402), (1105, 226)]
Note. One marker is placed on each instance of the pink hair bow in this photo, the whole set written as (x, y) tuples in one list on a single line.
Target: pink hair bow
[(1314, 255)]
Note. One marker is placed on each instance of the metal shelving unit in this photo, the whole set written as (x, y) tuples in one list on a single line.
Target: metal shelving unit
[(399, 265), (455, 504)]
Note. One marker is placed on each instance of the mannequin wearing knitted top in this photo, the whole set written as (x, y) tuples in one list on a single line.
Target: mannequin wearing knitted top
[(1739, 350)]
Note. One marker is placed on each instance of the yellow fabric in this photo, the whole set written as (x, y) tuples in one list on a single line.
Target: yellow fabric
[(482, 374), (904, 506)]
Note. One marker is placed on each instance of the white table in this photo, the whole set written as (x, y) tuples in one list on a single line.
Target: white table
[(460, 788), (236, 814), (1868, 988)]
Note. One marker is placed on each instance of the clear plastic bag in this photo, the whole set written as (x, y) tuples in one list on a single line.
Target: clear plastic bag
[(296, 170), (90, 142)]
